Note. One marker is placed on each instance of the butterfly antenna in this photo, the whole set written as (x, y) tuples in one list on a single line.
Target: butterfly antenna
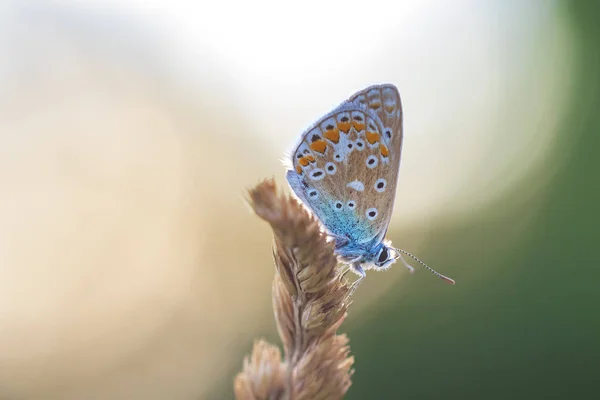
[(400, 252)]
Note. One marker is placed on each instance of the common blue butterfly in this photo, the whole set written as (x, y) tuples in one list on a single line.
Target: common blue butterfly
[(345, 170)]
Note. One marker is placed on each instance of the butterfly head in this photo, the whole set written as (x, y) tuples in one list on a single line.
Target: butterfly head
[(384, 256)]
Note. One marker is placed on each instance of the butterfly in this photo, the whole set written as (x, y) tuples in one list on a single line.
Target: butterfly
[(344, 169)]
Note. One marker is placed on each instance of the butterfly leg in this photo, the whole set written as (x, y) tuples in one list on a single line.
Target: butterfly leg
[(349, 265), (355, 267), (407, 265), (344, 271)]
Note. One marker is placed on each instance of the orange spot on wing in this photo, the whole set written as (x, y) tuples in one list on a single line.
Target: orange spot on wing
[(333, 135), (359, 126), (310, 158), (344, 126), (303, 161), (372, 137), (384, 150), (375, 106), (319, 146), (299, 169)]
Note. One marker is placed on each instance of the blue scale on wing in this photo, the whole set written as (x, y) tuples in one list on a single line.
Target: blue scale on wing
[(341, 223)]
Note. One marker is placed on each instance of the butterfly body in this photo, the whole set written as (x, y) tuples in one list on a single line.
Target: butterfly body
[(345, 170)]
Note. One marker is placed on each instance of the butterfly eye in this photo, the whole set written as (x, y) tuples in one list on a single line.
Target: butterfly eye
[(383, 256)]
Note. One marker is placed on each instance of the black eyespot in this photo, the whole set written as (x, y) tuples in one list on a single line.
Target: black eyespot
[(349, 145), (338, 205), (344, 119), (329, 127), (315, 138), (372, 127), (371, 162), (371, 214), (359, 144), (383, 256), (351, 204), (337, 157), (330, 168), (317, 174), (306, 151), (312, 193), (380, 185), (304, 184), (358, 118), (299, 155), (388, 133)]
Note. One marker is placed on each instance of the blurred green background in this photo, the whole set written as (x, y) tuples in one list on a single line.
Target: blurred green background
[(130, 267), (530, 329)]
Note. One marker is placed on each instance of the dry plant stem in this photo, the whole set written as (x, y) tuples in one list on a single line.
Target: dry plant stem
[(310, 301)]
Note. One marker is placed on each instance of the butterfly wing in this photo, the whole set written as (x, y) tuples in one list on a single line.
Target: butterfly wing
[(384, 101), (345, 166)]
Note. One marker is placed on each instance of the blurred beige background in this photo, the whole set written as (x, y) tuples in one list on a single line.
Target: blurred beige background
[(130, 266)]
